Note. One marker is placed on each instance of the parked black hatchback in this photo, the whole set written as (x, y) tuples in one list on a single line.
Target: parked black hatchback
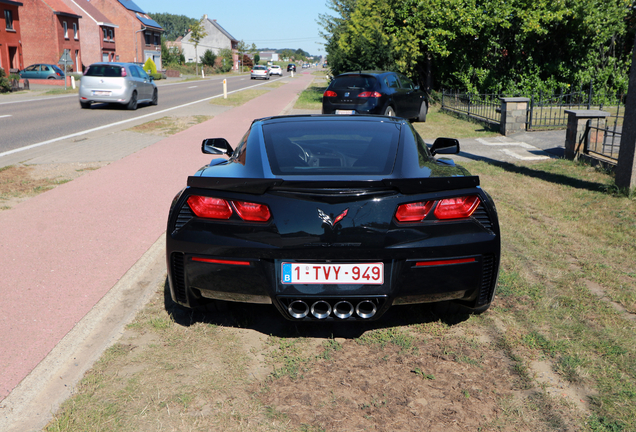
[(375, 92)]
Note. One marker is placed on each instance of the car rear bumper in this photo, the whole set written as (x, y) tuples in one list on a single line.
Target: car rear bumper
[(121, 95)]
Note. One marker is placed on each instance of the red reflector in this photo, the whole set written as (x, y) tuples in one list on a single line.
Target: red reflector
[(330, 93), (444, 262), (212, 208), (413, 212), (218, 261), (368, 94), (455, 208), (252, 211)]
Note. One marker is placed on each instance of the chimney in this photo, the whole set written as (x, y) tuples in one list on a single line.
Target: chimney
[(205, 17)]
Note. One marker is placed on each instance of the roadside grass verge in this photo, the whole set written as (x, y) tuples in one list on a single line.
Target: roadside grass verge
[(238, 98), (311, 98), (16, 182), (58, 91), (169, 125)]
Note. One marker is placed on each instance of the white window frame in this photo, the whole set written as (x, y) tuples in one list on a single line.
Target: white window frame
[(8, 17), (75, 32), (65, 29)]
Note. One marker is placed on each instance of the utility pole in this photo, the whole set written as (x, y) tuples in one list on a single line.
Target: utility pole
[(626, 168)]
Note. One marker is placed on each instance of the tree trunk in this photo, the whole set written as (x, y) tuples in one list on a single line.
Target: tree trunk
[(626, 168)]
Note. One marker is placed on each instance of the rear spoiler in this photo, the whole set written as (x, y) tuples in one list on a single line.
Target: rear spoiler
[(405, 186)]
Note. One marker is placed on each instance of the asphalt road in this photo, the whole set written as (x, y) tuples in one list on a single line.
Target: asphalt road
[(35, 120)]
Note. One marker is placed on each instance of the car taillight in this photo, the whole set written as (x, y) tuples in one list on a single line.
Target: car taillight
[(252, 212), (456, 208), (370, 94), (123, 72), (252, 71), (212, 208), (58, 74), (330, 93), (449, 208), (413, 212)]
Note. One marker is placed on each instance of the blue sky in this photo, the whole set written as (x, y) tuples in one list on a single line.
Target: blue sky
[(268, 24)]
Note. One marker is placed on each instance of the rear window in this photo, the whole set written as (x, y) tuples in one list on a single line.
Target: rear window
[(331, 148), (349, 82), (103, 71), (260, 68)]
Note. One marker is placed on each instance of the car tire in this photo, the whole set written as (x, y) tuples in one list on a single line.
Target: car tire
[(423, 112), (155, 98), (85, 105), (389, 111), (50, 77), (132, 103)]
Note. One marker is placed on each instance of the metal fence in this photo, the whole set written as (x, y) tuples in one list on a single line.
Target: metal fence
[(603, 136), (485, 107), (544, 111)]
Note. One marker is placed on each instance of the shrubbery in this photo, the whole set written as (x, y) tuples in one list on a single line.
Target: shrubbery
[(5, 84), (150, 67)]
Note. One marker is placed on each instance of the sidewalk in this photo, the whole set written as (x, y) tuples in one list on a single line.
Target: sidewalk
[(63, 250)]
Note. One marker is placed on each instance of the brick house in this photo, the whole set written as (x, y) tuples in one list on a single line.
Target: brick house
[(10, 37), (217, 38), (138, 36), (49, 28), (98, 33)]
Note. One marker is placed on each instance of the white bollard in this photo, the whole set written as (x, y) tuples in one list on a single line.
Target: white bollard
[(202, 73), (73, 82), (224, 89), (292, 73)]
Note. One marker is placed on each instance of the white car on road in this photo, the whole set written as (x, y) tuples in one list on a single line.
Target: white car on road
[(275, 70)]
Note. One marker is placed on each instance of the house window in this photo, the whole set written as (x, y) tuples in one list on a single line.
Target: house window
[(105, 34), (75, 34), (65, 29), (110, 35), (147, 36), (157, 39), (8, 18)]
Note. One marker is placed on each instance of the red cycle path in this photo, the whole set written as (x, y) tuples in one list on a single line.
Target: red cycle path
[(61, 251)]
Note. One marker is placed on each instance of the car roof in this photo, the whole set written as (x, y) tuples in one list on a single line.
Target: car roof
[(330, 118), (367, 72)]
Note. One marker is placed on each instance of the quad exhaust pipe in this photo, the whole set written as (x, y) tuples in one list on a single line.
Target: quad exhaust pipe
[(322, 309)]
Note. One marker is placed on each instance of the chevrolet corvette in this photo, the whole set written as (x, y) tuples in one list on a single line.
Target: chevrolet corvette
[(333, 218)]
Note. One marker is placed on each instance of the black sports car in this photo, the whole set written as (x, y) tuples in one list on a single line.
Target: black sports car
[(333, 218)]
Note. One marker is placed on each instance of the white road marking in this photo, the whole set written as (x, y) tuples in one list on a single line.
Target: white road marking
[(193, 86), (39, 99), (518, 156), (18, 150), (512, 153), (5, 116)]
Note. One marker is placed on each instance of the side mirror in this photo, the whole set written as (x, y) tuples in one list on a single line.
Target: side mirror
[(216, 146), (151, 78), (449, 145)]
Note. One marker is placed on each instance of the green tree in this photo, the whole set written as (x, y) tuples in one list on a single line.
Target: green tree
[(173, 25), (257, 58), (197, 32), (227, 59), (150, 67), (208, 58)]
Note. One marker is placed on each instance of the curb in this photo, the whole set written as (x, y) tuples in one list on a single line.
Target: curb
[(31, 405)]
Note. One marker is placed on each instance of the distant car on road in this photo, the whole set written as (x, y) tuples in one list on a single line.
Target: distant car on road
[(276, 70), (375, 92), (121, 83), (259, 71), (291, 67), (42, 71)]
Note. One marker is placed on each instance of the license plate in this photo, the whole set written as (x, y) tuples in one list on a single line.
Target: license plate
[(346, 112), (101, 93), (311, 273)]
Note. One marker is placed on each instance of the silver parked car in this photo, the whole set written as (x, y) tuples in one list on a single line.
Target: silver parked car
[(121, 83), (259, 71)]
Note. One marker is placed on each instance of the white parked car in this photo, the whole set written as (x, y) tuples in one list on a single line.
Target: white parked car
[(275, 70)]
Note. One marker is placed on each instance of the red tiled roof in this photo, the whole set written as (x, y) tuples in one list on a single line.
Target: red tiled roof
[(59, 6), (92, 11)]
